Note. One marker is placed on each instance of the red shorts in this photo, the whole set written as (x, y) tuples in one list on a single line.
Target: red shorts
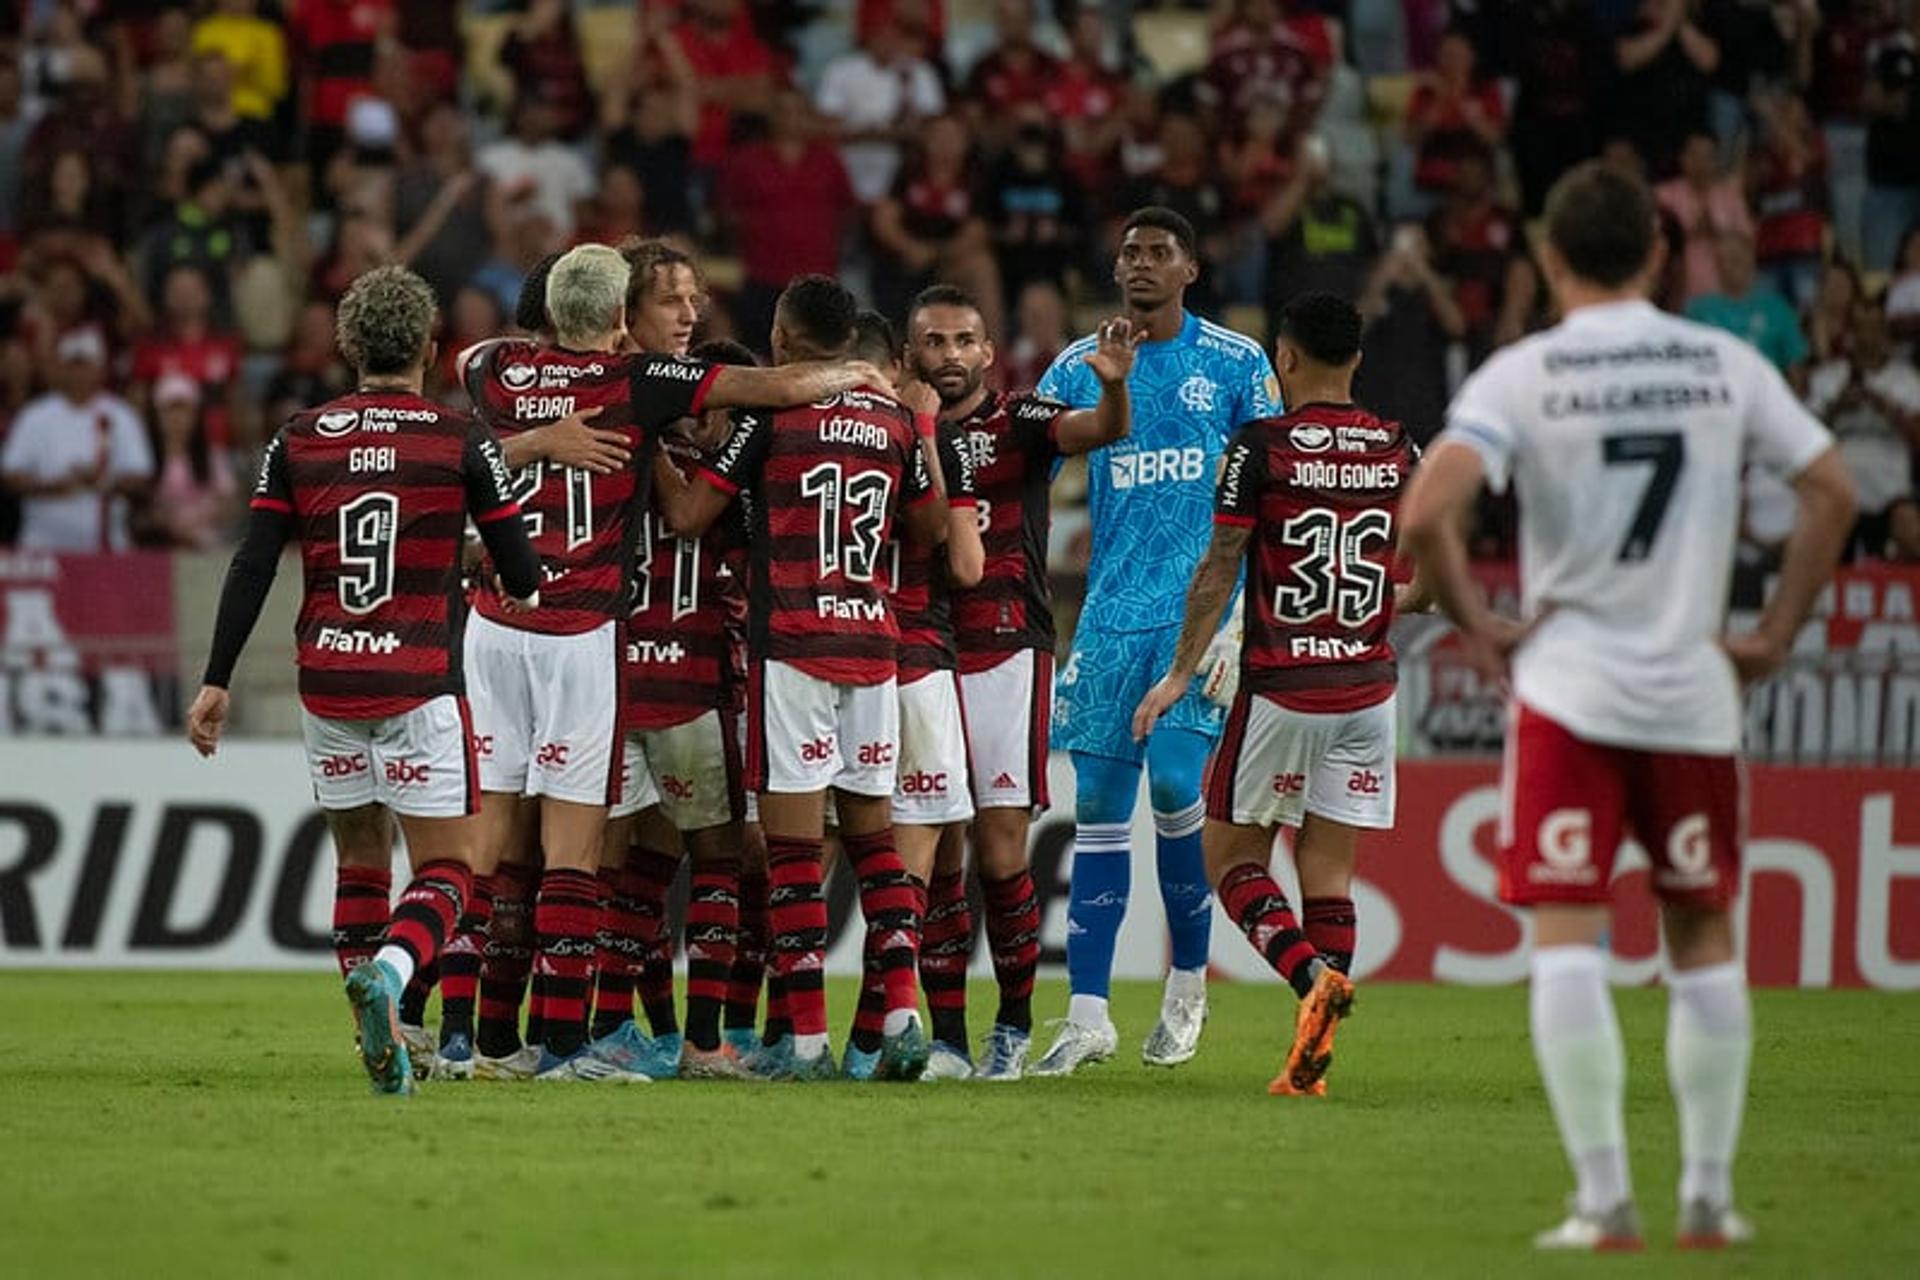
[(1566, 803)]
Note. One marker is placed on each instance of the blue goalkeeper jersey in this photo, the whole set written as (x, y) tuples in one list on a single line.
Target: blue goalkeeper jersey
[(1151, 495)]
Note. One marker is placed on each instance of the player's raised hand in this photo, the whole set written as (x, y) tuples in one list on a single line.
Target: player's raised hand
[(570, 442), (1755, 656), (1116, 341), (919, 397), (207, 719), (1159, 700)]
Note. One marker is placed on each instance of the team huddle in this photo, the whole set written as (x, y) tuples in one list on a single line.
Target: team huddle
[(651, 603)]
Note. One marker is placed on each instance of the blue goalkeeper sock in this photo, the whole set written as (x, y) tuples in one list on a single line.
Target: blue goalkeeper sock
[(1176, 759), (1105, 790)]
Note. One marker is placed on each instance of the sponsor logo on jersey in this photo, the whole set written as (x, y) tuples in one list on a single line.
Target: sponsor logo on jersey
[(873, 755), (679, 788), (1329, 648), (1353, 438), (642, 653), (850, 610), (483, 745), (1005, 782), (1705, 357), (818, 750), (552, 755), (1310, 437), (354, 640), (1289, 784), (405, 773), (920, 782), (342, 766), (1156, 466), (518, 377), (1364, 782), (1565, 844), (1234, 467), (1197, 393), (673, 367), (336, 423)]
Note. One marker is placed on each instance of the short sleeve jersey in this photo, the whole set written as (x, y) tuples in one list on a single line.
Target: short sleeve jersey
[(582, 525), (1011, 444), (921, 590), (1624, 432), (1151, 495), (1319, 487), (380, 486), (823, 484)]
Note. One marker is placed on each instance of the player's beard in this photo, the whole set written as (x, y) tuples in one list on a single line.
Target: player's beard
[(970, 383)]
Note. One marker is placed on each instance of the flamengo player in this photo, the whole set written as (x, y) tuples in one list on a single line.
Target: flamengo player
[(826, 482), (1623, 432), (376, 487), (545, 684), (1003, 632), (1308, 500)]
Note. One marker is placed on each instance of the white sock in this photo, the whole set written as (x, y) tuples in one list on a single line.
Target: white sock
[(1186, 982), (397, 958), (809, 1046), (897, 1021), (1088, 1011), (1709, 1044), (1576, 1040)]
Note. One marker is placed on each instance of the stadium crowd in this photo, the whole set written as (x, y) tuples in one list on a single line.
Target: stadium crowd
[(187, 189)]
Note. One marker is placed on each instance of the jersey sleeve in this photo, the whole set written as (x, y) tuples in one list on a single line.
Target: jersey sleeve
[(1236, 501), (1069, 381), (484, 472), (1781, 435), (1259, 393), (916, 482), (272, 488), (668, 388), (1036, 421), (1480, 419), (737, 463), (956, 468)]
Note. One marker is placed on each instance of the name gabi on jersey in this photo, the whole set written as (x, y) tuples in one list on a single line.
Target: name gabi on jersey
[(1637, 398), (1346, 475), (651, 653), (342, 640), (851, 610), (861, 435), (1155, 466)]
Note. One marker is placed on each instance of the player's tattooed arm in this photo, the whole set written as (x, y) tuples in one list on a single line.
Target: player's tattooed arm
[(1207, 599), (1111, 361), (786, 385), (570, 442)]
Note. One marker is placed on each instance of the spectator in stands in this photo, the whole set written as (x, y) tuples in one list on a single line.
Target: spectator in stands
[(256, 50), (202, 232), (1892, 102), (230, 135), (542, 54), (337, 43), (474, 316), (186, 344), (734, 73), (1562, 77), (1871, 401), (1041, 318), (786, 202), (1705, 201), (64, 206), (1184, 182), (86, 118), (1453, 110), (1748, 306), (1842, 70), (1255, 165), (1014, 73), (1830, 318), (1665, 65), (76, 455), (929, 228), (1480, 246), (649, 117), (522, 235), (1318, 239), (1034, 206), (195, 498), (1903, 295), (1259, 51), (1412, 319), (618, 209), (1788, 181), (440, 205), (362, 240), (1085, 99), (532, 163), (877, 98), (161, 97), (312, 372)]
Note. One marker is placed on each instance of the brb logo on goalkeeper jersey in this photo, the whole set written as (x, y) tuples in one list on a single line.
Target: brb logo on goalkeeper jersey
[(1155, 466)]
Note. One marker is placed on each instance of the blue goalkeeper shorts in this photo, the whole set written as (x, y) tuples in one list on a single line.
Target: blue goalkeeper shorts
[(1105, 676)]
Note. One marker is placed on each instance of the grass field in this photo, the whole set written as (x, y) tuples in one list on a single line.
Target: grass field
[(218, 1124)]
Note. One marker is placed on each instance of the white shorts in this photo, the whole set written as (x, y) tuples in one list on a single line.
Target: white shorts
[(1274, 766), (691, 770), (545, 711), (807, 734), (420, 764), (932, 789), (1008, 713)]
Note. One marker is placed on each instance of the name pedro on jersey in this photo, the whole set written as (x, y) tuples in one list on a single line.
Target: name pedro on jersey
[(1346, 475)]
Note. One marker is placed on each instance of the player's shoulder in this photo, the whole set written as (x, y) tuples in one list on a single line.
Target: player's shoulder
[(1228, 344), (1072, 357)]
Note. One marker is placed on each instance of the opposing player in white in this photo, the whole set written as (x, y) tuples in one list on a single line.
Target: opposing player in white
[(1624, 432)]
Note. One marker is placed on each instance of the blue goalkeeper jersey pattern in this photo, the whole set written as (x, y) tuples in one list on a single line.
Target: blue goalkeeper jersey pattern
[(1151, 495)]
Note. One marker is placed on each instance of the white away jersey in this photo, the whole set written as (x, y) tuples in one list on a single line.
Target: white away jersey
[(1625, 431)]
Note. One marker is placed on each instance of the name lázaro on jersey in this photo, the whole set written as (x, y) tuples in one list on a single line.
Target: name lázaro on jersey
[(846, 610), (1637, 398), (1704, 357), (853, 431), (1346, 475)]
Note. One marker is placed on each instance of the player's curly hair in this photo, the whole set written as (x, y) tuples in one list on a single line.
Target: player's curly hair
[(874, 339), (1324, 325), (647, 257), (385, 321), (819, 310)]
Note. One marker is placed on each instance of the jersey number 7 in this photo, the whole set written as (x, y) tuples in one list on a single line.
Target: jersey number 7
[(1667, 451)]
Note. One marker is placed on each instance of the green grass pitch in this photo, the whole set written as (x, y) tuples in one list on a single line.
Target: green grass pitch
[(218, 1125)]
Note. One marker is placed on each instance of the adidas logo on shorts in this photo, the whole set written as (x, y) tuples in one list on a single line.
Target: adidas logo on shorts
[(1005, 782)]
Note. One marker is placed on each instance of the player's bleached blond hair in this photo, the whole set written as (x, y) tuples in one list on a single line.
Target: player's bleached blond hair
[(385, 320), (587, 294)]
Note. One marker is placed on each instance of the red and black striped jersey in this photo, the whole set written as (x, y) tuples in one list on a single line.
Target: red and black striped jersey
[(921, 589), (379, 485), (679, 646), (1320, 488), (823, 484), (1012, 446), (582, 524)]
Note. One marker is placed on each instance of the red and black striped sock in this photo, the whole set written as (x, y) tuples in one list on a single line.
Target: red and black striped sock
[(359, 913), (1258, 905), (779, 1013), (413, 1000), (423, 918), (564, 919), (946, 949), (797, 915), (460, 962), (1330, 928), (617, 954), (749, 954), (713, 926), (648, 881), (1013, 934), (890, 961), (507, 960)]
